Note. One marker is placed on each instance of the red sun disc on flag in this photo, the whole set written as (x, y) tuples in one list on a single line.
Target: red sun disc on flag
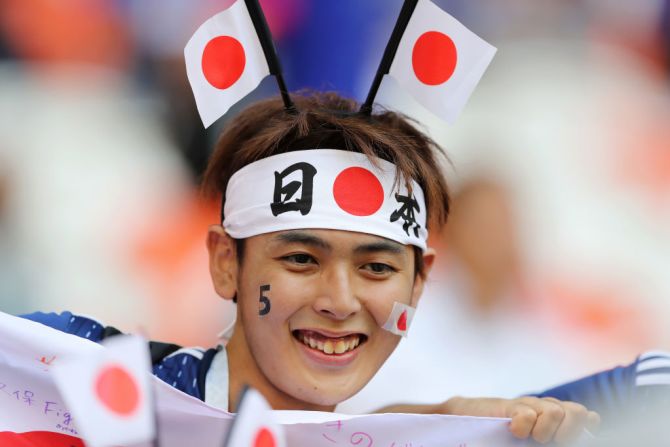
[(402, 321), (223, 61), (264, 438), (358, 191), (117, 390), (434, 58)]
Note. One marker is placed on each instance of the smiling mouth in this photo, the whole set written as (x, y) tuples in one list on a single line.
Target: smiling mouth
[(329, 345)]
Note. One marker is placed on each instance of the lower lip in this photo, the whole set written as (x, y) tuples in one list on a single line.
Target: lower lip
[(332, 360)]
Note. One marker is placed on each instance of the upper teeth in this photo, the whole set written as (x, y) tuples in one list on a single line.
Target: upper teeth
[(328, 345)]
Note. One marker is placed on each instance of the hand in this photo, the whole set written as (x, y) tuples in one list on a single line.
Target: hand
[(546, 419)]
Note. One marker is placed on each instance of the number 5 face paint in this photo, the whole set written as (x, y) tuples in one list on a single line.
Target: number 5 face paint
[(400, 319), (264, 304)]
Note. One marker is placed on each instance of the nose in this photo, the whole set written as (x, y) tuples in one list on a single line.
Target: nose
[(336, 298)]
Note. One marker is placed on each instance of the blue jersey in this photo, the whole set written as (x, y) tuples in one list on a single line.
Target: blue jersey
[(643, 384), (182, 368)]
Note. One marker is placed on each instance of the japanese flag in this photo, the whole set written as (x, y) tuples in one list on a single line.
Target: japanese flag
[(224, 61), (400, 319), (108, 392), (254, 425), (439, 61)]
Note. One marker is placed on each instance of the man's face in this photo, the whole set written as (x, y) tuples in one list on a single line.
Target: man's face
[(311, 304)]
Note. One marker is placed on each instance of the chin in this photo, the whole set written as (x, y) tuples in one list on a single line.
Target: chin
[(322, 394), (325, 399)]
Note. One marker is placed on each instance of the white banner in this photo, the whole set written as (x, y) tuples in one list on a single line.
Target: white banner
[(32, 407)]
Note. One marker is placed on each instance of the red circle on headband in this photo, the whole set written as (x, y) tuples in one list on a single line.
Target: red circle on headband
[(434, 58), (223, 61), (358, 191)]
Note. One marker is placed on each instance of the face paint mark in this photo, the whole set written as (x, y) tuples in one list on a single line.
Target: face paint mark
[(264, 301), (402, 321)]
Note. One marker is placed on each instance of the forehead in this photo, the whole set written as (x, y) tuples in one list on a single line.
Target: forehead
[(332, 240)]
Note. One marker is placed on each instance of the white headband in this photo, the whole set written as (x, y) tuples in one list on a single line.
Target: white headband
[(324, 188)]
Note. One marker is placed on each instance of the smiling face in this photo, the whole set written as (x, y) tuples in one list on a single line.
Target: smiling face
[(311, 304)]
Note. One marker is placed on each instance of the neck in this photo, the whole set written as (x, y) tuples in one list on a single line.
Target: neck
[(243, 370)]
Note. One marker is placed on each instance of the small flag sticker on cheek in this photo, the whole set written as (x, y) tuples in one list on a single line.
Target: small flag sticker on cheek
[(400, 319)]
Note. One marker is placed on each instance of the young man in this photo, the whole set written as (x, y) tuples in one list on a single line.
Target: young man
[(323, 247), (324, 231)]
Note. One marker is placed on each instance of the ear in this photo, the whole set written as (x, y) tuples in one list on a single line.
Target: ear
[(420, 280), (223, 266)]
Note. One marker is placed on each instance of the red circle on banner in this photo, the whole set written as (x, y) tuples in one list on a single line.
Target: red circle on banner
[(434, 58), (35, 438), (223, 61), (358, 191), (117, 390), (264, 438)]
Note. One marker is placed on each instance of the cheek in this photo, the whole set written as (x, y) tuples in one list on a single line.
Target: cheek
[(382, 345), (379, 299), (255, 302), (267, 300), (264, 322)]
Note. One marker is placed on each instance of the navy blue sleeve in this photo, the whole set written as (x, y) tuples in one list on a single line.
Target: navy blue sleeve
[(607, 389), (640, 385), (71, 324), (182, 368)]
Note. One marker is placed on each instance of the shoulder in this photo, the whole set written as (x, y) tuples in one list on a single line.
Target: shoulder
[(78, 325), (183, 368), (186, 369)]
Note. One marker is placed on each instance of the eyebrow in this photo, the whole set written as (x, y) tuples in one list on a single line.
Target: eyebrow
[(380, 246), (299, 237)]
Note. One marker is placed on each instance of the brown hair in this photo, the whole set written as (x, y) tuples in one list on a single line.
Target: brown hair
[(329, 121)]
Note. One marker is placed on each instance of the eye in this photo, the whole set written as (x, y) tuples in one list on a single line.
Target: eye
[(379, 268), (299, 259)]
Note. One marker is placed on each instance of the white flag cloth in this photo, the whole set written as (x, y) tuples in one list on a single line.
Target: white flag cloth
[(255, 425), (33, 413), (108, 392), (224, 61), (439, 61)]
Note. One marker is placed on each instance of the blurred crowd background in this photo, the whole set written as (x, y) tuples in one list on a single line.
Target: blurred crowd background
[(555, 262)]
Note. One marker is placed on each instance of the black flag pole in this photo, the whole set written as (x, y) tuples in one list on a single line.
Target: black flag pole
[(156, 441), (154, 409), (228, 435), (263, 31), (389, 53)]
